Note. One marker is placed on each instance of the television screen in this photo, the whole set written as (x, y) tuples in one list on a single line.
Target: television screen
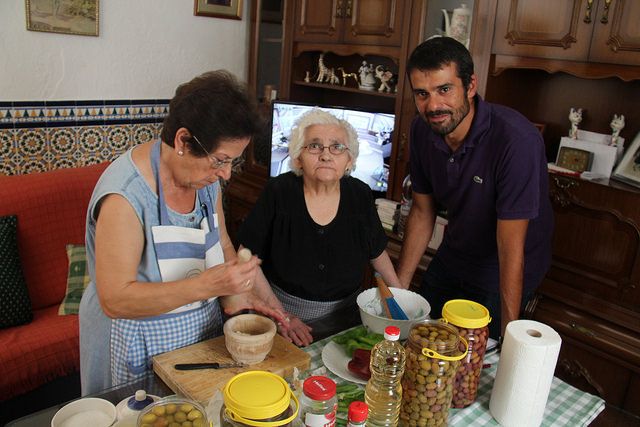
[(374, 134)]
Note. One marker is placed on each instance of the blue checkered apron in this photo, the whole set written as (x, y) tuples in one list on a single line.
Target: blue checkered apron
[(181, 252)]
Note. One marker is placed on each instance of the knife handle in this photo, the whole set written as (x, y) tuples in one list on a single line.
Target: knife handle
[(192, 366)]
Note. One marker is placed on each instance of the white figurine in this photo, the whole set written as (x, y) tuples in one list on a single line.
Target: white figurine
[(307, 77), (367, 79), (617, 124), (333, 78), (385, 77), (575, 117), (323, 71)]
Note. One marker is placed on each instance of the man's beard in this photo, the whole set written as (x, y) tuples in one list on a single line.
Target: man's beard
[(455, 117)]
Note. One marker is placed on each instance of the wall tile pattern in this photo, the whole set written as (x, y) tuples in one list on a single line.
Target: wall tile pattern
[(42, 136)]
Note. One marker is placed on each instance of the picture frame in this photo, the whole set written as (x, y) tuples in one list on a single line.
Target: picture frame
[(77, 17), (229, 9), (628, 170)]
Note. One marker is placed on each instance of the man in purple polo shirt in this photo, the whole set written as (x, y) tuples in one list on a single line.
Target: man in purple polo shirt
[(485, 165)]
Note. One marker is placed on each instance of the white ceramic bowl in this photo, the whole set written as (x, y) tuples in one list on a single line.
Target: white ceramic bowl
[(89, 411), (414, 305), (249, 337)]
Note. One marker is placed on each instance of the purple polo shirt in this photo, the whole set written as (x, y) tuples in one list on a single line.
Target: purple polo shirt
[(500, 172)]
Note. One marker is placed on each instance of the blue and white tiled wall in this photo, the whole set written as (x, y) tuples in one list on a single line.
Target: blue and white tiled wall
[(42, 136)]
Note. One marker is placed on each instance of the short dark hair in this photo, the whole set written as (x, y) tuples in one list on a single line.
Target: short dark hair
[(213, 106), (435, 52)]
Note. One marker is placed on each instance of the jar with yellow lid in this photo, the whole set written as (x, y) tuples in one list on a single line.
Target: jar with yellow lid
[(434, 350), (260, 399), (472, 320)]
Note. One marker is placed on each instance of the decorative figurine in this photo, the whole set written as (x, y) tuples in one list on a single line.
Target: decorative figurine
[(345, 75), (367, 79), (307, 77), (385, 77), (323, 71), (575, 117), (617, 124), (332, 78)]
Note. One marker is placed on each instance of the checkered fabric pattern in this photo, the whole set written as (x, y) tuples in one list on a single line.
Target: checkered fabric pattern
[(566, 405)]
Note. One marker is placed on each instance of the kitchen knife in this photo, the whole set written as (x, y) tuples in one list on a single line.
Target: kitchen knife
[(209, 365)]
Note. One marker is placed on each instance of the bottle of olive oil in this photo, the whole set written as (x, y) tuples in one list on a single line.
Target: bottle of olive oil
[(383, 393)]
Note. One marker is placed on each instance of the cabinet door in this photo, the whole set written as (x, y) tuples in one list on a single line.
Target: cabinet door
[(616, 33), (375, 22), (554, 29), (318, 21)]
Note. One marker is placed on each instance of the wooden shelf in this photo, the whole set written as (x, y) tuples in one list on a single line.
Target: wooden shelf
[(345, 89)]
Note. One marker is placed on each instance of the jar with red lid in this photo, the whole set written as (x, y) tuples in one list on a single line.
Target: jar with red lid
[(318, 403), (472, 320)]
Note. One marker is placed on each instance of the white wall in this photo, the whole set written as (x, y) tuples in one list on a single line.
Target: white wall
[(145, 49)]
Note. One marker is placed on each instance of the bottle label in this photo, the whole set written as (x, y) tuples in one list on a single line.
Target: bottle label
[(320, 420)]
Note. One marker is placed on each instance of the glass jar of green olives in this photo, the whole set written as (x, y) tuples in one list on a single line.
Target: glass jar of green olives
[(173, 411), (433, 356), (472, 320)]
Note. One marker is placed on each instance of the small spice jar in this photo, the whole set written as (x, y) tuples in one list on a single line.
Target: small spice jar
[(260, 399), (433, 356), (357, 414), (318, 403), (472, 320)]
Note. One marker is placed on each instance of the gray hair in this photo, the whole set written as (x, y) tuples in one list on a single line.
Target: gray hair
[(316, 116)]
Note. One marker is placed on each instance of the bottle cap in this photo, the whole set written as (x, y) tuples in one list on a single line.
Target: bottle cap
[(139, 401), (392, 333), (358, 411), (319, 388)]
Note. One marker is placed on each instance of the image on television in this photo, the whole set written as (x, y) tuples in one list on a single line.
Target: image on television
[(374, 135)]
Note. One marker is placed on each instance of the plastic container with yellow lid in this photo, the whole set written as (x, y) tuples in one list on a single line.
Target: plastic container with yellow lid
[(472, 320), (260, 399)]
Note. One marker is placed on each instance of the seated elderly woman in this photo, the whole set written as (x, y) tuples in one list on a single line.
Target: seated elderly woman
[(316, 228), (158, 252)]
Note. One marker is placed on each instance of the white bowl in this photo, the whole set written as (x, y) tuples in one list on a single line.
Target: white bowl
[(89, 411), (371, 312)]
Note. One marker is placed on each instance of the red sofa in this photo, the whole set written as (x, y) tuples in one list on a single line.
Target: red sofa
[(51, 208)]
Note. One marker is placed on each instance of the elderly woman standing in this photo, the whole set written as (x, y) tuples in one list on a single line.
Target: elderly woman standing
[(316, 227), (158, 251)]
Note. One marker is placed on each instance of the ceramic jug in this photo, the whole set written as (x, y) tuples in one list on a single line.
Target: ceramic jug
[(459, 25)]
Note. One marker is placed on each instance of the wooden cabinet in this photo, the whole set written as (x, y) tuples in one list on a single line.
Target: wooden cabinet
[(591, 294), (584, 31), (374, 22)]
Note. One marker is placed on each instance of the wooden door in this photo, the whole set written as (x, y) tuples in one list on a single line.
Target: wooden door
[(374, 22), (553, 29), (616, 33), (318, 21)]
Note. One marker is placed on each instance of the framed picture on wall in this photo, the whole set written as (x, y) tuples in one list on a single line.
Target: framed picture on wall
[(78, 17), (231, 9), (628, 170)]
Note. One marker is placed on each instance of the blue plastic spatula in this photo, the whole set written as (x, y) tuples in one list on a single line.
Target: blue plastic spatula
[(390, 305)]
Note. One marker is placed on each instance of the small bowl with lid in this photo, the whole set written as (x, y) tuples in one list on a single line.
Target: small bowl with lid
[(259, 398), (173, 409), (249, 337)]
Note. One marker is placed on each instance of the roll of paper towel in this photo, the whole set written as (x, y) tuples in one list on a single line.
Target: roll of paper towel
[(527, 361)]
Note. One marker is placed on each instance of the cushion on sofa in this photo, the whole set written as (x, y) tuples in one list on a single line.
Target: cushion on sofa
[(15, 307), (39, 352), (77, 279), (51, 209)]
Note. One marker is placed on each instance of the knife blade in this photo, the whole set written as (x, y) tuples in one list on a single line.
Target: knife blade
[(209, 365)]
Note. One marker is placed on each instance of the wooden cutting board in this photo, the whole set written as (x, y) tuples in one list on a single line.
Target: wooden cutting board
[(200, 385)]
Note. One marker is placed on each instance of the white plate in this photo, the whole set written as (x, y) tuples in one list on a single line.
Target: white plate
[(336, 359)]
